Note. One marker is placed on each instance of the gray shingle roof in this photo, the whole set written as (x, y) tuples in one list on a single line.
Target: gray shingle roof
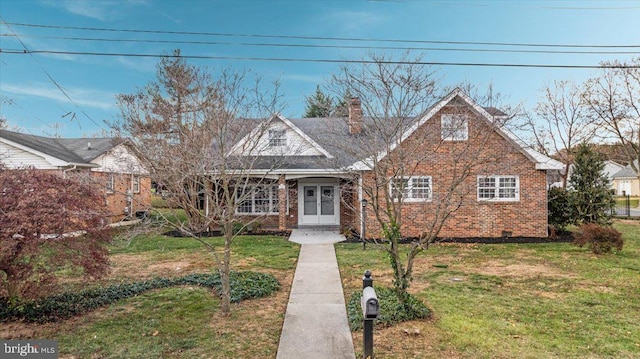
[(72, 150), (626, 172)]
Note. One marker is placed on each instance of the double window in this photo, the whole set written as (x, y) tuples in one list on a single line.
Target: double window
[(257, 199), (277, 138), (454, 127), (411, 189), (498, 188)]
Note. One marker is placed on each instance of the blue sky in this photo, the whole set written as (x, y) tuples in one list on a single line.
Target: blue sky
[(33, 102)]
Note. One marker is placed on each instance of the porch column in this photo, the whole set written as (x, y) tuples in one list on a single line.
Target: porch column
[(282, 203)]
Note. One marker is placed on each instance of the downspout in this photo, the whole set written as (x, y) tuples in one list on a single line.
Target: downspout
[(360, 197), (64, 172)]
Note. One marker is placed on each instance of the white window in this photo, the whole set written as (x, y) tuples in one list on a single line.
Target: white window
[(498, 188), (411, 189), (454, 127), (261, 199), (136, 184), (111, 183), (277, 138)]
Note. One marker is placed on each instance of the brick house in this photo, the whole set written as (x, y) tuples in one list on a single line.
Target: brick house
[(110, 165), (454, 154)]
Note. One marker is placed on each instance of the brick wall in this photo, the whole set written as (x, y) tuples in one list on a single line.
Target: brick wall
[(484, 153), (116, 200)]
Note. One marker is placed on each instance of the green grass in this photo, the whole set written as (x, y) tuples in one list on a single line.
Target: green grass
[(633, 203), (274, 252), (522, 300), (177, 322)]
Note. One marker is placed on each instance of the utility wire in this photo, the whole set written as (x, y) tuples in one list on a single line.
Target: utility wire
[(221, 34), (285, 59), (226, 43), (27, 51)]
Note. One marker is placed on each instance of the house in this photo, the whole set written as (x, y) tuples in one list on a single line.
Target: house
[(626, 182), (610, 169), (107, 163), (500, 183)]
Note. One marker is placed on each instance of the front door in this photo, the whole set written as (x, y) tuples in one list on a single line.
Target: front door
[(319, 205)]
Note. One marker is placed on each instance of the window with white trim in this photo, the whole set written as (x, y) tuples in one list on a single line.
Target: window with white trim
[(454, 127), (498, 188), (257, 199), (136, 184), (411, 189), (277, 138), (111, 183)]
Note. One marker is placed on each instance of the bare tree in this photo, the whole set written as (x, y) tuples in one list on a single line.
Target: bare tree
[(613, 101), (190, 125), (398, 146), (560, 122)]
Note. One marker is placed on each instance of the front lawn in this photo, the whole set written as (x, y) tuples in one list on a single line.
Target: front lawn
[(175, 322), (511, 301)]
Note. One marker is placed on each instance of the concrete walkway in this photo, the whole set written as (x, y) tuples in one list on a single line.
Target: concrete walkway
[(315, 324)]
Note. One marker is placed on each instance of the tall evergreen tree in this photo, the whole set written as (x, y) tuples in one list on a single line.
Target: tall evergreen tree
[(590, 197), (319, 105)]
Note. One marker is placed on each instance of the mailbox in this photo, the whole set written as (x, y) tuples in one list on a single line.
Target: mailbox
[(370, 305)]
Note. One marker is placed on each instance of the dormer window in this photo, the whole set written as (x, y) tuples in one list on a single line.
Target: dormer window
[(454, 128), (277, 138)]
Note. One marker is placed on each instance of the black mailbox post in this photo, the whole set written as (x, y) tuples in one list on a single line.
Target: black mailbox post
[(370, 312)]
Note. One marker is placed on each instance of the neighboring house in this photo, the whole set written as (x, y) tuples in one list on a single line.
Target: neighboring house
[(112, 166), (610, 169), (320, 182), (626, 182)]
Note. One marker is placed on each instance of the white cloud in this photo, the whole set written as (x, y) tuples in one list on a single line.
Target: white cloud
[(350, 22), (104, 10), (99, 99), (138, 64)]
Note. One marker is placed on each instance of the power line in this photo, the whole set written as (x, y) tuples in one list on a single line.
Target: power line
[(66, 95), (300, 37), (284, 59), (227, 43)]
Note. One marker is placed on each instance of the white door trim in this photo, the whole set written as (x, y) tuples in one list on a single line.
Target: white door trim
[(318, 219)]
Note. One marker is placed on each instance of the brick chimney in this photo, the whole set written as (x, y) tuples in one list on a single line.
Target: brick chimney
[(355, 116)]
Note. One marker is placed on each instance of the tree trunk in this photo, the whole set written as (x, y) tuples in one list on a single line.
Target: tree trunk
[(225, 304), (400, 275)]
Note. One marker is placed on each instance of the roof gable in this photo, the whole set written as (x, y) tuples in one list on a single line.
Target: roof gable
[(79, 152), (541, 161), (48, 148), (297, 142)]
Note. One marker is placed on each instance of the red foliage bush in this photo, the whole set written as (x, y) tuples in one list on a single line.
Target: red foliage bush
[(48, 222), (598, 238)]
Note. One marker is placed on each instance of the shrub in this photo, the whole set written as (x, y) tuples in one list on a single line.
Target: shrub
[(560, 214), (598, 238), (244, 285), (391, 310)]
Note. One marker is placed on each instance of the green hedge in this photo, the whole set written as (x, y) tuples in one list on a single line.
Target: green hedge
[(244, 285), (391, 311)]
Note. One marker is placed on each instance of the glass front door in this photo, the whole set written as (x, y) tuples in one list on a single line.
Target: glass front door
[(319, 205)]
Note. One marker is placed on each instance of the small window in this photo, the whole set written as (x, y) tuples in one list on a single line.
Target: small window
[(277, 138), (498, 188), (136, 184), (454, 128), (411, 189), (111, 183)]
